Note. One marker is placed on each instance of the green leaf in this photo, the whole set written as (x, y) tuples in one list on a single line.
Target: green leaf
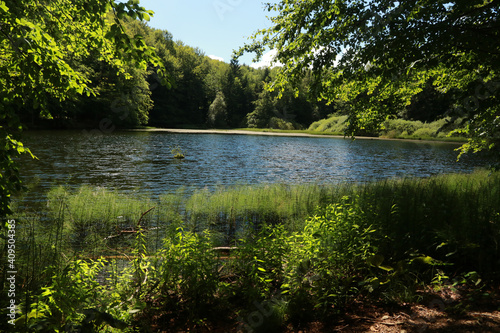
[(427, 260), (376, 260), (441, 245), (144, 16), (386, 268), (3, 7)]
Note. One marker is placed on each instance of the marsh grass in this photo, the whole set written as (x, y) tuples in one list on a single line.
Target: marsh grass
[(95, 221), (302, 247), (432, 215), (91, 217), (239, 208)]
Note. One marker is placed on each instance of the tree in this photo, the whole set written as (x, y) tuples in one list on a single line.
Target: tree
[(428, 105), (217, 112), (265, 109), (39, 41), (234, 86), (378, 54)]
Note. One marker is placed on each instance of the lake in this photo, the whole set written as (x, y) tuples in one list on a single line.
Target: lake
[(143, 160)]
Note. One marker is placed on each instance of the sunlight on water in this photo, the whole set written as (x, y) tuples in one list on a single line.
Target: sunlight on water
[(143, 160)]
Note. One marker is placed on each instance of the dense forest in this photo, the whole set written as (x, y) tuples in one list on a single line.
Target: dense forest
[(204, 93)]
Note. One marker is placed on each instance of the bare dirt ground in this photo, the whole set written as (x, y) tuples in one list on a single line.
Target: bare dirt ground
[(445, 311)]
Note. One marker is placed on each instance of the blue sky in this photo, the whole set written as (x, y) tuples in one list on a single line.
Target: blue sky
[(217, 27)]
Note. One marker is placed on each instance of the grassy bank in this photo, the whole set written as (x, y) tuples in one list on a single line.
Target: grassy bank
[(254, 257), (396, 128)]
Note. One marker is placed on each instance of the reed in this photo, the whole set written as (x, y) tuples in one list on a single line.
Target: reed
[(316, 246)]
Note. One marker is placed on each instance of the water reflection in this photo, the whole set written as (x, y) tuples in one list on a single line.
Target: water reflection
[(142, 160)]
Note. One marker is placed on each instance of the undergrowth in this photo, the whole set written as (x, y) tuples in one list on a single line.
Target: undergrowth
[(257, 257)]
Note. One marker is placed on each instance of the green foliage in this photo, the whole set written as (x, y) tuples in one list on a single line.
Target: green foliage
[(260, 264), (443, 129), (93, 219), (10, 182), (326, 258), (282, 124), (188, 274), (217, 112), (382, 56), (74, 301), (264, 109), (378, 239), (40, 57), (333, 124), (177, 153), (239, 208)]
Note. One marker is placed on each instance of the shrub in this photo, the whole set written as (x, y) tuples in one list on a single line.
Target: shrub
[(393, 128), (333, 124), (424, 133), (326, 258), (74, 301), (188, 274), (402, 126), (282, 124)]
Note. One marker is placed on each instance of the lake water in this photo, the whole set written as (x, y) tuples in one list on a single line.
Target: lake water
[(143, 160)]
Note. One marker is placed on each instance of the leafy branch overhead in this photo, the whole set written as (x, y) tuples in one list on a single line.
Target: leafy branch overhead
[(41, 43), (40, 40), (376, 55)]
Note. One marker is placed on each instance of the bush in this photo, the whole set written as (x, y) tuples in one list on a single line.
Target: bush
[(74, 301), (424, 133), (333, 124), (188, 274), (402, 126), (282, 124), (325, 259), (393, 128), (373, 238)]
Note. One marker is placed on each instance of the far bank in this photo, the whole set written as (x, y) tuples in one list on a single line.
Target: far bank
[(293, 133)]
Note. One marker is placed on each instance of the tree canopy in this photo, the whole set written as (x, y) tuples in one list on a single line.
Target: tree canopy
[(378, 54), (42, 44)]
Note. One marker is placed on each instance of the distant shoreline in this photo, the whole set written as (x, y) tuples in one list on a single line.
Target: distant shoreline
[(282, 133)]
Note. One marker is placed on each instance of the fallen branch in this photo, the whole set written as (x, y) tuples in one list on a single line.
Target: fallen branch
[(143, 214), (128, 232)]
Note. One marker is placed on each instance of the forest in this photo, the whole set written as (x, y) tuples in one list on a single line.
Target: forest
[(258, 258), (204, 93)]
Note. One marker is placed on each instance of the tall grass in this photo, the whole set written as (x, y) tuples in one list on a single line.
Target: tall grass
[(94, 218), (399, 128), (451, 217), (97, 221), (294, 248), (239, 207)]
